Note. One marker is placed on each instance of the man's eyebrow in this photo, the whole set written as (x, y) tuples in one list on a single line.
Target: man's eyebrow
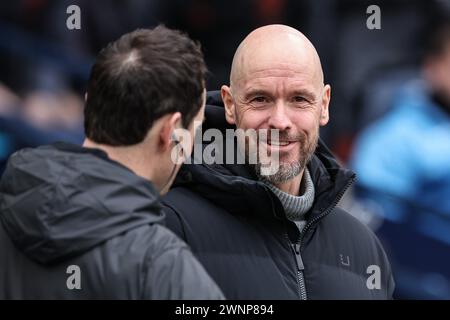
[(296, 92), (256, 92), (303, 92)]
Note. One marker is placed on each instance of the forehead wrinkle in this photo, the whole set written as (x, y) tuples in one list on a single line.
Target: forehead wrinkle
[(295, 81), (269, 72), (280, 90)]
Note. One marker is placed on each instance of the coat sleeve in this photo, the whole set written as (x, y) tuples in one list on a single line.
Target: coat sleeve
[(176, 274)]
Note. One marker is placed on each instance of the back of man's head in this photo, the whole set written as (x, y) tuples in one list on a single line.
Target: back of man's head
[(139, 78)]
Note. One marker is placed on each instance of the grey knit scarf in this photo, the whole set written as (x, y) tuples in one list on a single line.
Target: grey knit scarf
[(296, 207)]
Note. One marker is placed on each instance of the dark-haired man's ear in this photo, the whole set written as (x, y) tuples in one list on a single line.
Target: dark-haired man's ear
[(167, 134), (228, 101)]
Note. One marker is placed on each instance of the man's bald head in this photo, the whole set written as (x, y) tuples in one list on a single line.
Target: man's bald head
[(273, 45), (276, 83)]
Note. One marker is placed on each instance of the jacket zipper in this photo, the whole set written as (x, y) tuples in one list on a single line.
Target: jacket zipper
[(300, 267), (297, 247)]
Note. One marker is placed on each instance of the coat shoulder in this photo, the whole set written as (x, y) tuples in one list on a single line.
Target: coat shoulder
[(343, 220)]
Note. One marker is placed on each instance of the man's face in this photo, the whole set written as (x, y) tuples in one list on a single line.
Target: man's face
[(286, 97)]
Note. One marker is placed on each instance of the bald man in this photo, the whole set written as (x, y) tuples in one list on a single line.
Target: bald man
[(276, 235)]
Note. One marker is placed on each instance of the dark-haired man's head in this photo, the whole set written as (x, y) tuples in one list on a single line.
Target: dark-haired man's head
[(142, 88)]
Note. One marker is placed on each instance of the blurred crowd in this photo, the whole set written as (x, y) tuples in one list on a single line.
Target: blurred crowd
[(390, 107)]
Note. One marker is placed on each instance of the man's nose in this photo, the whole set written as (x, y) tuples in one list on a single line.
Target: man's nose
[(279, 117)]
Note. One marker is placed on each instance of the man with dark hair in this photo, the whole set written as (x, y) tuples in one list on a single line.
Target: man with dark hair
[(136, 77), (84, 222)]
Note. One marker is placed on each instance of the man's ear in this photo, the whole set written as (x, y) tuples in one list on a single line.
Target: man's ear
[(168, 126), (324, 113), (228, 101), (85, 96)]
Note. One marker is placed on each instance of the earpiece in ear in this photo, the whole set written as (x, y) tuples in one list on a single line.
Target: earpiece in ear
[(174, 138)]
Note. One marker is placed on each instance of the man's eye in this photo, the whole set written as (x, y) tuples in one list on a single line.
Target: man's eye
[(259, 99), (299, 99)]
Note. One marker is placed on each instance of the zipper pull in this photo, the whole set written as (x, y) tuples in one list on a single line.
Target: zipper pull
[(298, 257)]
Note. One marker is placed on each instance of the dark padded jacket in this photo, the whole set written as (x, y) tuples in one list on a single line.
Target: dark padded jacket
[(76, 225), (237, 228)]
